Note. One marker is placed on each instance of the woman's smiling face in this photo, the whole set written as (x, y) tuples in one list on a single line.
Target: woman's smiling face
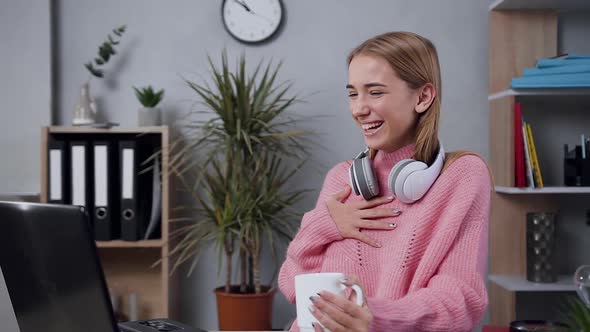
[(381, 103)]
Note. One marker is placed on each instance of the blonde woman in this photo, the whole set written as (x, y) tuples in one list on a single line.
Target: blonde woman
[(421, 260)]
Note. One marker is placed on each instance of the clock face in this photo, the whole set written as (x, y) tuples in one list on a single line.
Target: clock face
[(252, 21)]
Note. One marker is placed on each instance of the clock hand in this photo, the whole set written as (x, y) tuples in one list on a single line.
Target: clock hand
[(243, 4), (264, 17)]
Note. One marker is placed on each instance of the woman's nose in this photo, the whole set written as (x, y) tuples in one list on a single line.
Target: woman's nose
[(360, 109)]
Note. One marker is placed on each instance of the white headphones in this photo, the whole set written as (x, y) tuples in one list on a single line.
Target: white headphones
[(408, 180)]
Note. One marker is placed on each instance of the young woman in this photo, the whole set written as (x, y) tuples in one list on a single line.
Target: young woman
[(421, 264)]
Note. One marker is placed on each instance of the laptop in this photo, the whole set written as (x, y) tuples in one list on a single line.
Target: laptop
[(53, 274)]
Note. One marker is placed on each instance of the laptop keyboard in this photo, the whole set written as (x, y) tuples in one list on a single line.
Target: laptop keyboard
[(155, 325), (159, 325)]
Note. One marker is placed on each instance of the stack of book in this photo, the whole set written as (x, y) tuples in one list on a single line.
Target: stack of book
[(566, 71), (527, 170)]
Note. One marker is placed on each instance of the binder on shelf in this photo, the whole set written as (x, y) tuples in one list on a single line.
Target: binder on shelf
[(58, 189), (155, 220), (81, 175), (128, 167), (106, 210), (136, 190)]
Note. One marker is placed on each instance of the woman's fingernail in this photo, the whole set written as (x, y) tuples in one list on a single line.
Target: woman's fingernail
[(311, 309), (392, 225), (397, 211), (378, 244), (391, 198), (344, 280), (313, 324), (314, 298)]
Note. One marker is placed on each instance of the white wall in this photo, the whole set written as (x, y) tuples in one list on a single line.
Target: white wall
[(25, 88), (168, 39), (24, 91)]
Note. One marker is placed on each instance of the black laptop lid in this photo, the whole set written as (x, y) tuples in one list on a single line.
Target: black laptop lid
[(51, 269)]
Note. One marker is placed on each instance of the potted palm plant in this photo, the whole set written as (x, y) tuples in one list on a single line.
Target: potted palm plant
[(247, 153)]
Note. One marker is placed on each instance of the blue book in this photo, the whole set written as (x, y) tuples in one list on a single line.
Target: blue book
[(544, 63), (577, 56), (556, 70), (551, 81)]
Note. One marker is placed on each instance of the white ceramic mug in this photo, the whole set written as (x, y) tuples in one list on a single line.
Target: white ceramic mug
[(307, 285)]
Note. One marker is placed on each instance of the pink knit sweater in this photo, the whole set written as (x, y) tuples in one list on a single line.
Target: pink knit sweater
[(430, 273)]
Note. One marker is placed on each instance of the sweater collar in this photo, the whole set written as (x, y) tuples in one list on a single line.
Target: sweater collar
[(389, 159)]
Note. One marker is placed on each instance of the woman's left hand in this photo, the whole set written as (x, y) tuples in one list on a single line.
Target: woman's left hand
[(340, 314)]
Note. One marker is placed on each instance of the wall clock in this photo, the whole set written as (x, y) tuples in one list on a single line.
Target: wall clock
[(252, 21)]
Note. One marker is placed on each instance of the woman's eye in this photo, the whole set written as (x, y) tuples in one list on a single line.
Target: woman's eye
[(376, 93), (352, 94)]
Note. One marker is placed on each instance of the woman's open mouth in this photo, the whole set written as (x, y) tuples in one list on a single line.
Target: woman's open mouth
[(371, 128)]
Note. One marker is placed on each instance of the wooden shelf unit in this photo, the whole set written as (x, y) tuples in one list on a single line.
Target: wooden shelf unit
[(544, 190), (520, 32), (518, 283), (130, 266)]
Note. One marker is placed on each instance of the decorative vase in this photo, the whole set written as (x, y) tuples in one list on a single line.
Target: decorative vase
[(540, 243), (149, 116), (85, 112)]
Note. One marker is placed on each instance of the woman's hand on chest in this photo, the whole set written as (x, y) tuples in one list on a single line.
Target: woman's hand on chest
[(351, 217)]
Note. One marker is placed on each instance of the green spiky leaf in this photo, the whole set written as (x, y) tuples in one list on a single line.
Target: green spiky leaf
[(148, 97)]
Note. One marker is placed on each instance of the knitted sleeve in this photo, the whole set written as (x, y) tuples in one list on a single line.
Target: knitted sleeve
[(306, 251), (455, 297)]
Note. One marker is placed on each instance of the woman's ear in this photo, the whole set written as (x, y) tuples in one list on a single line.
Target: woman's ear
[(426, 97)]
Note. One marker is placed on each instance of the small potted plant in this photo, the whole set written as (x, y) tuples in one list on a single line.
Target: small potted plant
[(85, 111), (149, 114)]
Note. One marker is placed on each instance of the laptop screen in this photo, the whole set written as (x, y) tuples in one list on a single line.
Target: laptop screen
[(51, 268)]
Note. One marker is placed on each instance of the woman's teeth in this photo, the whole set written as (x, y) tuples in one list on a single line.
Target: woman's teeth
[(371, 128)]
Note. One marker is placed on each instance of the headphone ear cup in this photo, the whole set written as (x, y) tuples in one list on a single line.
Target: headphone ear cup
[(402, 188), (393, 174), (351, 178), (371, 180), (419, 182), (361, 175)]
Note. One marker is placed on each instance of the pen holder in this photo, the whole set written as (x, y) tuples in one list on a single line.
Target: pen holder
[(576, 172)]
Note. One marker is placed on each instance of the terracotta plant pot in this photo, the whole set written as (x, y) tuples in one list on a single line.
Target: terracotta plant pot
[(244, 312)]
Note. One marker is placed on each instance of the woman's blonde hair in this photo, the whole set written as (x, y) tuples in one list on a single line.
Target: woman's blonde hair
[(415, 60)]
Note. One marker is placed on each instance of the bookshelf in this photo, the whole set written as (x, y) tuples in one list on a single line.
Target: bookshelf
[(516, 283), (544, 190), (129, 265), (581, 93), (520, 32)]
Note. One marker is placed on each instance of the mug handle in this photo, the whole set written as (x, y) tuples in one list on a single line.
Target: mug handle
[(360, 298)]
